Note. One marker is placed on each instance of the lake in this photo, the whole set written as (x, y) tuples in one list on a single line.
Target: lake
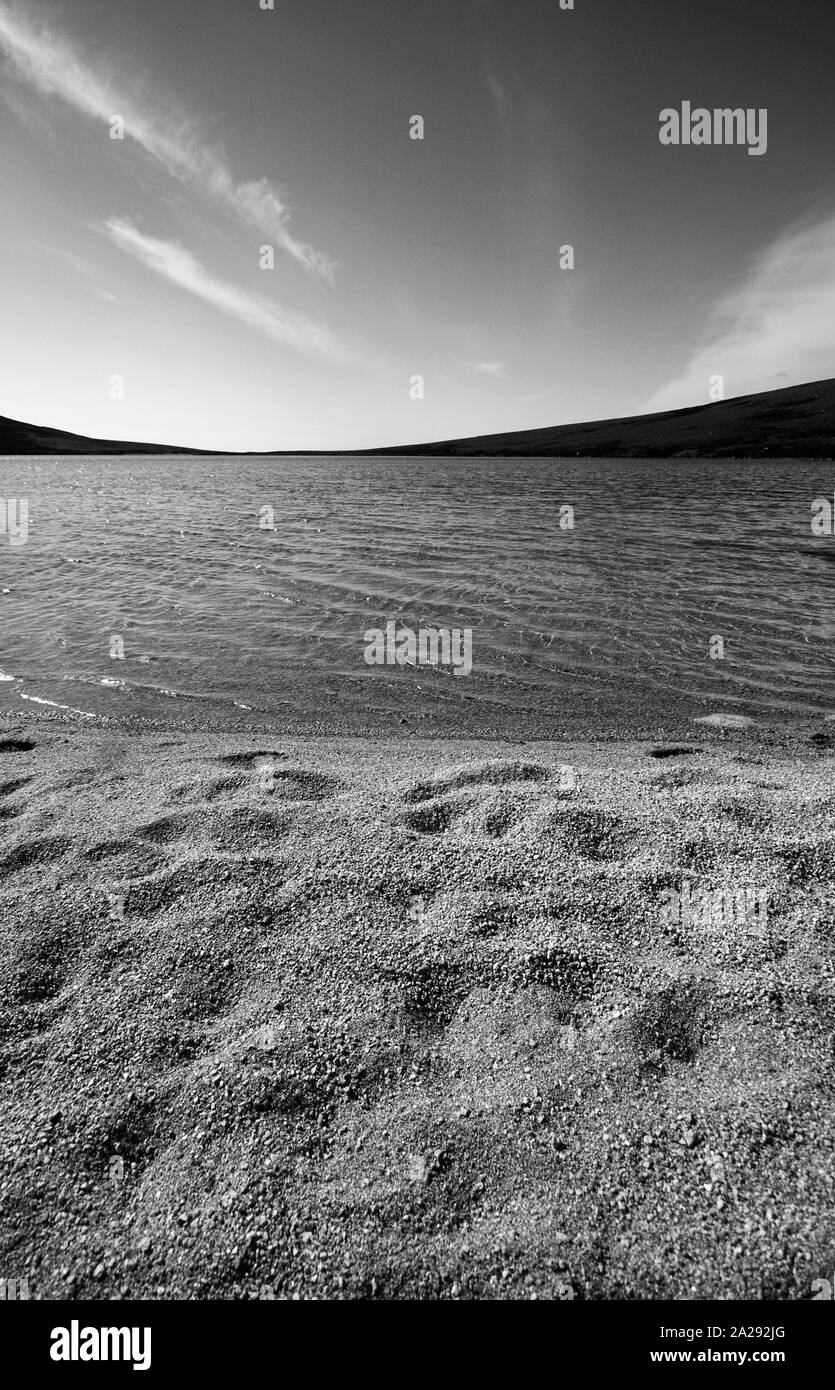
[(594, 591)]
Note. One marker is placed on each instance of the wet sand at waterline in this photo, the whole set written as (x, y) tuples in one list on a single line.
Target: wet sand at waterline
[(355, 1018)]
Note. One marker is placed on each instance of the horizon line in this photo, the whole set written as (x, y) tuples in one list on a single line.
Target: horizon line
[(406, 450)]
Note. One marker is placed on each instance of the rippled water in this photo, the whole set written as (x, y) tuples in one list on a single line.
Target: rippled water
[(609, 622)]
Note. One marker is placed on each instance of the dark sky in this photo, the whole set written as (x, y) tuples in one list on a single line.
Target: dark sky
[(394, 258)]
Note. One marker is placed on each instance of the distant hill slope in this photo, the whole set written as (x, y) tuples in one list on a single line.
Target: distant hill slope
[(19, 438), (796, 422)]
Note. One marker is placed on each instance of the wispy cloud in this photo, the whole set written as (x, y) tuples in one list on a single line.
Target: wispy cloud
[(778, 327), (173, 262), (495, 369), (499, 95), (22, 104), (47, 61)]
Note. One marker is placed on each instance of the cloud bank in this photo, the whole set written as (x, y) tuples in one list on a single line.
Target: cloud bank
[(777, 329), (48, 62)]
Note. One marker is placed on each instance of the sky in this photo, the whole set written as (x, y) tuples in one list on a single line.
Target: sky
[(138, 301)]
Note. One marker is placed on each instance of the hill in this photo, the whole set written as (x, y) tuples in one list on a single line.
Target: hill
[(795, 422)]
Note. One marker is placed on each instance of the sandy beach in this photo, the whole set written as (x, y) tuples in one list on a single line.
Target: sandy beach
[(286, 1017)]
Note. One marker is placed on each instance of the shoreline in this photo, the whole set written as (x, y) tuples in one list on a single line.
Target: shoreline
[(716, 727), (763, 424)]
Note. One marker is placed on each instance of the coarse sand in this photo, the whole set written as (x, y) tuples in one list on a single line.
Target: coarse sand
[(355, 1018)]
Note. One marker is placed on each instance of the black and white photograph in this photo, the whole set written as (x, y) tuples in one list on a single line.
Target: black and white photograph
[(417, 670)]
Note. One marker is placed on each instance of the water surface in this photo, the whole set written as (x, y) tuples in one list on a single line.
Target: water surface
[(609, 623)]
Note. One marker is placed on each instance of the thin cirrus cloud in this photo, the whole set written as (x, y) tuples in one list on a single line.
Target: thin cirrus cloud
[(48, 62), (498, 95), (778, 327), (494, 369), (174, 263)]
